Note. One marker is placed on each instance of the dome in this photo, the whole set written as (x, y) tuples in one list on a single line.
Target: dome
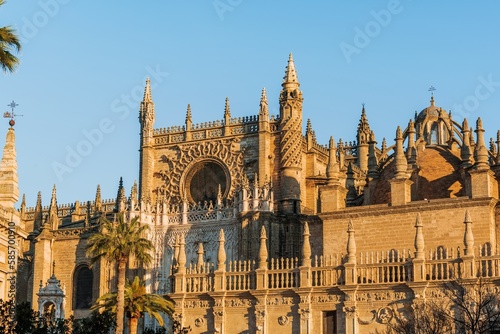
[(437, 176), (431, 113)]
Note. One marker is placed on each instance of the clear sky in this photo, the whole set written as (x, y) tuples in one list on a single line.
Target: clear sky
[(84, 65)]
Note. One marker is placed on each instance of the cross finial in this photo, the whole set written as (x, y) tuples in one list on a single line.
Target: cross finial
[(432, 89), (12, 105), (11, 114)]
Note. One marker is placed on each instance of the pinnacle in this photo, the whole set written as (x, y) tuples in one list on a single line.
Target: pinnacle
[(290, 73), (147, 92)]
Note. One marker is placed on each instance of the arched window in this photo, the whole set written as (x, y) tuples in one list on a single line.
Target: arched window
[(434, 134), (82, 287)]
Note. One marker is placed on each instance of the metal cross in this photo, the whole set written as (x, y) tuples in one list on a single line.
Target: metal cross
[(12, 105), (432, 89)]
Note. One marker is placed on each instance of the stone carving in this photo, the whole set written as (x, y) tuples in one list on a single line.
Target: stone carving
[(350, 312), (179, 158), (279, 301), (326, 299), (384, 315), (260, 315), (371, 296), (237, 302), (304, 313), (198, 322), (218, 315), (283, 320)]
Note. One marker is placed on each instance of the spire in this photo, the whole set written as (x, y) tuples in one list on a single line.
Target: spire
[(497, 160), (200, 253), (468, 236), (221, 254), (227, 109), (22, 209), (465, 150), (372, 157), (306, 247), (411, 151), (133, 192), (351, 243), (363, 135), (120, 197), (146, 116), (432, 101), (399, 156), (147, 92), (332, 169), (9, 188), (189, 118), (263, 249), (419, 238), (98, 200), (480, 151), (309, 129), (264, 106), (182, 255), (52, 218), (290, 80), (37, 223)]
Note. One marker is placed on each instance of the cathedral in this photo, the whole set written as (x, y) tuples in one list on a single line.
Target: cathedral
[(258, 228)]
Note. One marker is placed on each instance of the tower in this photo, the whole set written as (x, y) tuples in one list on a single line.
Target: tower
[(363, 137), (146, 119), (290, 140)]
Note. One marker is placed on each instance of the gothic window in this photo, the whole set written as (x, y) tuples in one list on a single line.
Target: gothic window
[(434, 134), (82, 287)]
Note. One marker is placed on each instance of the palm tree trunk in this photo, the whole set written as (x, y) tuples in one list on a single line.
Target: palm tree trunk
[(120, 298), (133, 325)]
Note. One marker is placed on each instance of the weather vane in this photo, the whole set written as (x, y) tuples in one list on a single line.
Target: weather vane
[(11, 114), (432, 89)]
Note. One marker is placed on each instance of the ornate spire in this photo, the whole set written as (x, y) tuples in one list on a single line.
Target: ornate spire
[(98, 200), (480, 151), (221, 254), (227, 109), (181, 260), (401, 163), (9, 188), (351, 243), (133, 192), (468, 236), (263, 249), (306, 247), (200, 253), (52, 218), (411, 151), (363, 135), (372, 157), (419, 238), (332, 169), (264, 106), (37, 224), (120, 197), (465, 150), (147, 92), (290, 80), (497, 159), (309, 129), (189, 118)]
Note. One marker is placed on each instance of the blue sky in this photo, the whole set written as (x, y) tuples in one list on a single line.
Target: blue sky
[(84, 64)]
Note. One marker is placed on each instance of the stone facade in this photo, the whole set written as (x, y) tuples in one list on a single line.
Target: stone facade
[(258, 228)]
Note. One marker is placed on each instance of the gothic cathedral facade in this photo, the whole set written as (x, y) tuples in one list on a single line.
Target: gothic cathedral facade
[(258, 228)]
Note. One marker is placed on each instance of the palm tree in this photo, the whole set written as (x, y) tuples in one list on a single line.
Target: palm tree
[(8, 41), (117, 241), (137, 302)]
